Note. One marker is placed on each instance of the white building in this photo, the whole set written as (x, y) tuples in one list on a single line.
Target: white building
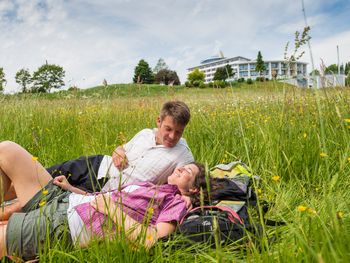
[(245, 68)]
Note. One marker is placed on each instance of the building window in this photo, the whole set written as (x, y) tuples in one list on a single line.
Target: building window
[(243, 67)]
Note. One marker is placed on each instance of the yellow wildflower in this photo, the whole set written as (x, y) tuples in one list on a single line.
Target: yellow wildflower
[(150, 210), (323, 154), (45, 192), (347, 120), (34, 158), (340, 214), (349, 159), (149, 237), (302, 208), (42, 203), (304, 135), (276, 178), (311, 211)]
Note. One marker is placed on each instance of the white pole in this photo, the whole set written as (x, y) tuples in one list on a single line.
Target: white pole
[(338, 60)]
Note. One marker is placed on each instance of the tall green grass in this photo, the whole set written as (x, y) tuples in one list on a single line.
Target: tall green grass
[(297, 140)]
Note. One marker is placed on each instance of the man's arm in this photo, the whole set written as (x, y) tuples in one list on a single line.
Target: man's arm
[(119, 158)]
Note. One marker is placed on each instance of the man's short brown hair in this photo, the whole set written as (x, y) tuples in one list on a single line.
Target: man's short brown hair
[(178, 110)]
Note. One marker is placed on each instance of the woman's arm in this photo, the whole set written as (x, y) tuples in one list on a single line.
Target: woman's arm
[(62, 182), (133, 229)]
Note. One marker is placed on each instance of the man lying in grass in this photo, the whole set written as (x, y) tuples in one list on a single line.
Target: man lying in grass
[(151, 155), (49, 209)]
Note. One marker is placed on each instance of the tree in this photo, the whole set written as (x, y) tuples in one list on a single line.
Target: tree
[(196, 76), (2, 80), (260, 65), (331, 69), (316, 72), (167, 77), (223, 73), (143, 73), (160, 65), (23, 78), (347, 68), (47, 77)]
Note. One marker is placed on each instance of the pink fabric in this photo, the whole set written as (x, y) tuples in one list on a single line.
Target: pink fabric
[(150, 204)]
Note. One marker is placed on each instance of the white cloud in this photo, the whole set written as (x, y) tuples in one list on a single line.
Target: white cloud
[(326, 49), (95, 40)]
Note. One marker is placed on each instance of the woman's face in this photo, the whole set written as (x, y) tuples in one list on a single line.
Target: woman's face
[(184, 177)]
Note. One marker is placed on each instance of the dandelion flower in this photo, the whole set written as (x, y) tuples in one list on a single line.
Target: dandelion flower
[(276, 178), (347, 120), (45, 192), (311, 211), (348, 159), (151, 210), (304, 135), (323, 154), (42, 203), (34, 158), (302, 208), (340, 214)]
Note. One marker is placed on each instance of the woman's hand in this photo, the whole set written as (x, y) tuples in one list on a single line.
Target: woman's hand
[(187, 200), (62, 182), (104, 204)]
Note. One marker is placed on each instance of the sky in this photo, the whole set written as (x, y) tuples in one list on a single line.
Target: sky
[(95, 40)]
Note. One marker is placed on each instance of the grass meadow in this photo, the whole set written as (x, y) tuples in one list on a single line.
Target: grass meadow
[(296, 140)]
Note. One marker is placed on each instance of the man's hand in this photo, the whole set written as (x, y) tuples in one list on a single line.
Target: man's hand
[(119, 158), (62, 182)]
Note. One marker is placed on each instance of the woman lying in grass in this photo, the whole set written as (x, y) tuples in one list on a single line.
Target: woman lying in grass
[(141, 209)]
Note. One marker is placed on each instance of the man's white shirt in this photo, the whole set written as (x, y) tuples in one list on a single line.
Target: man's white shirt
[(147, 161)]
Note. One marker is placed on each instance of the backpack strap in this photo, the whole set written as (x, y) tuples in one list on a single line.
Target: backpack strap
[(232, 215)]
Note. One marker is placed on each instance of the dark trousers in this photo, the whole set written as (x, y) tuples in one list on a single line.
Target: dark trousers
[(81, 172)]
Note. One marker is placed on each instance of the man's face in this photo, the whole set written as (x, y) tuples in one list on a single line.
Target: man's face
[(169, 132)]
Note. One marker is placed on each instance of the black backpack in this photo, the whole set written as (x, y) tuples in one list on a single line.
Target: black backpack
[(227, 218), (213, 224)]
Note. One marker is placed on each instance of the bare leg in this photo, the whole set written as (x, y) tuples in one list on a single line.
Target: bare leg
[(8, 210), (3, 249), (10, 194), (18, 167)]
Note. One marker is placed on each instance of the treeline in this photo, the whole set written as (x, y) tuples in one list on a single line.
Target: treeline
[(161, 74), (332, 70), (44, 79)]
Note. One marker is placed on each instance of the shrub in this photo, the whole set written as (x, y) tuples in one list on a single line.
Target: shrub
[(196, 83), (232, 83), (219, 84), (187, 84), (249, 81), (202, 85), (261, 79), (240, 80)]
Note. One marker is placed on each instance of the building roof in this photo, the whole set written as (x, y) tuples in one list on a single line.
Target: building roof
[(221, 59)]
